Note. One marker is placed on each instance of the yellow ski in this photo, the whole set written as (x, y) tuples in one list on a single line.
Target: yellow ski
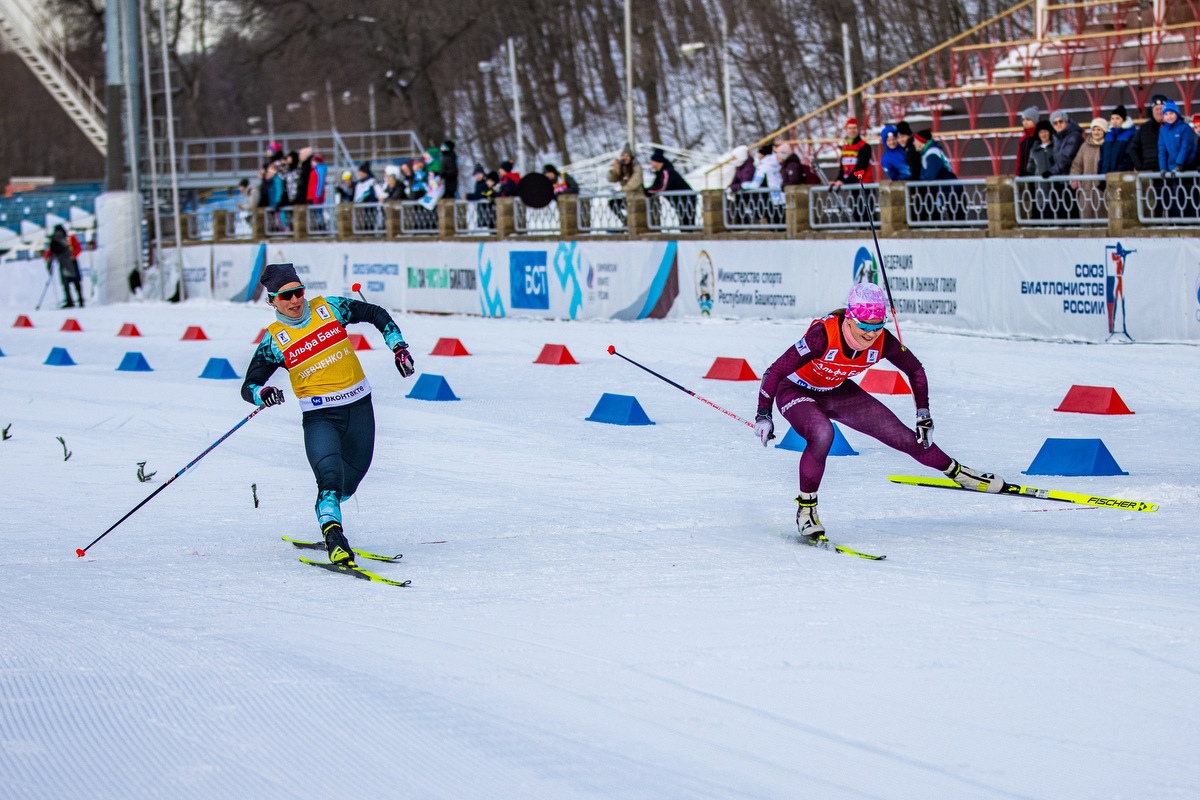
[(1034, 493)]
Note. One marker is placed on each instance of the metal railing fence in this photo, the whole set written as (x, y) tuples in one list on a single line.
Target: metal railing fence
[(1168, 198), (755, 209), (416, 219), (673, 211), (946, 204), (474, 217), (321, 220), (200, 224), (237, 225), (601, 213), (277, 222), (368, 219), (831, 208), (1061, 199), (542, 221)]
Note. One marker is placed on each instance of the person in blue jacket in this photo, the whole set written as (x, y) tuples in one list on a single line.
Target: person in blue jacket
[(893, 160), (1176, 149), (1176, 142), (1114, 153)]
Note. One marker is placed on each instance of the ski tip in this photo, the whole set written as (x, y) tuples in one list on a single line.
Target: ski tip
[(80, 552), (612, 350)]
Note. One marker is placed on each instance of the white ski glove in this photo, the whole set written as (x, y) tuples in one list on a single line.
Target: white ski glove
[(764, 428), (924, 428)]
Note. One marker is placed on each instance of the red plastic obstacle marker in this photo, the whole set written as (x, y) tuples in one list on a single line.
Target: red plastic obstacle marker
[(884, 381), (261, 335), (555, 354), (449, 347), (359, 342), (129, 329), (194, 333), (1093, 400), (731, 369), (23, 322), (71, 324)]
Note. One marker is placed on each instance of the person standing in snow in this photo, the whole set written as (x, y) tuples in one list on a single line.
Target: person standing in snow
[(809, 383), (308, 338)]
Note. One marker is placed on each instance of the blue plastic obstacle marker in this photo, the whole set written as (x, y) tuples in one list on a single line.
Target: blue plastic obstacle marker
[(840, 447), (1, 354), (619, 409), (219, 369), (431, 387), (134, 362), (1074, 457), (59, 357)]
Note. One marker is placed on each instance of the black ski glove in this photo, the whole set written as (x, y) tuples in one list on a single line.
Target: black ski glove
[(404, 360), (270, 396), (924, 428)]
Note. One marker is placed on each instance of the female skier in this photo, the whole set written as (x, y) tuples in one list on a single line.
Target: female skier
[(816, 390), (308, 338)]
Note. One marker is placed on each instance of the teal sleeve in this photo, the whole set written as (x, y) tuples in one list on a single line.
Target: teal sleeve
[(349, 311)]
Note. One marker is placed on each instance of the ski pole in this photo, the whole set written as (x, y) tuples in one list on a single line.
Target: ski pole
[(49, 277), (887, 286), (612, 350), (83, 551), (355, 288)]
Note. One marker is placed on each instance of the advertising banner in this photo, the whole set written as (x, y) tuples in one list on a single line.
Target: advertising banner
[(197, 272), (1094, 289)]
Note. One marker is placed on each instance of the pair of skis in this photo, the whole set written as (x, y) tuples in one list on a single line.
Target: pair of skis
[(1011, 490), (351, 569)]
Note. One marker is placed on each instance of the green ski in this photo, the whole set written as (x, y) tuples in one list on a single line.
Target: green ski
[(825, 544)]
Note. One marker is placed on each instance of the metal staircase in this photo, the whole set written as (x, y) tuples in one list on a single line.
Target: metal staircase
[(25, 30)]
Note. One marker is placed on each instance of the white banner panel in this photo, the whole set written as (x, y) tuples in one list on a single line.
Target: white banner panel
[(197, 272), (1075, 289)]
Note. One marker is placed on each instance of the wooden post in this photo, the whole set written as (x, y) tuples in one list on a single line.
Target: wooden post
[(219, 222), (445, 212), (505, 217), (568, 215), (258, 224), (712, 210), (635, 213), (345, 221), (391, 220), (796, 211), (892, 216), (1120, 193), (1001, 205), (300, 223)]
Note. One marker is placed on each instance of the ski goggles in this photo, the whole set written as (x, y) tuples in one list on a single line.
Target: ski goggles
[(288, 294), (869, 326)]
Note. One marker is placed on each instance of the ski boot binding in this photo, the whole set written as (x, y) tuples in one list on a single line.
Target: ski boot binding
[(336, 545), (807, 522)]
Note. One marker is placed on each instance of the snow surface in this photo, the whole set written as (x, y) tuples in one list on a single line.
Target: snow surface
[(595, 611)]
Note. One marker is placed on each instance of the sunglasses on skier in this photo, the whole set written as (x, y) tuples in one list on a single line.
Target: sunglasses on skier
[(869, 326), (287, 294)]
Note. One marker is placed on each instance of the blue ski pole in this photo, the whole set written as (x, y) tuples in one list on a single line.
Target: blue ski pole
[(81, 552)]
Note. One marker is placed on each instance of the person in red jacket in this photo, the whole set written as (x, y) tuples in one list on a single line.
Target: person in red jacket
[(856, 157), (809, 384)]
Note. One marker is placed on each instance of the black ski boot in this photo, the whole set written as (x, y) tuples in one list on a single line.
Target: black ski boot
[(807, 522), (336, 544)]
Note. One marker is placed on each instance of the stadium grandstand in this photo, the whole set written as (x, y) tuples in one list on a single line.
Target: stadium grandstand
[(1080, 57)]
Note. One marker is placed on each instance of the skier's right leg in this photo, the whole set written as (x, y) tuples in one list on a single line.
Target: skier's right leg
[(323, 431)]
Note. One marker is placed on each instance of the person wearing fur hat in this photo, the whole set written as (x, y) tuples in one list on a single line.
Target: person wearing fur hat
[(1087, 162), (810, 385), (1114, 156), (1029, 121), (308, 338)]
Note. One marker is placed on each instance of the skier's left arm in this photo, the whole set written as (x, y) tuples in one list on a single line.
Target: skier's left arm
[(910, 365), (349, 311)]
